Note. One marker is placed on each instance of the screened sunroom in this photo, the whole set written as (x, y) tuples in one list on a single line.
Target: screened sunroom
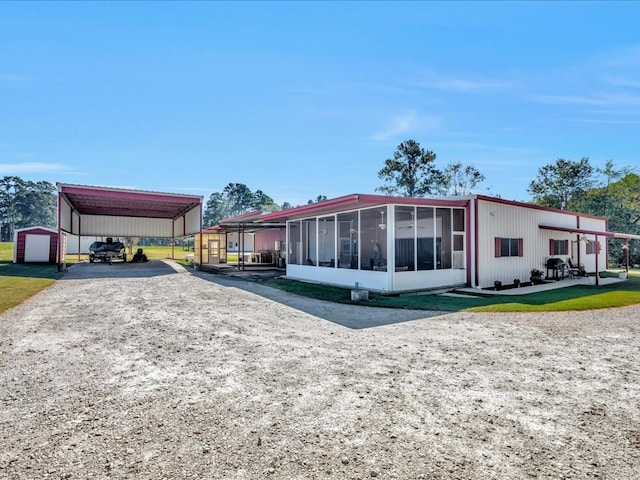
[(387, 247)]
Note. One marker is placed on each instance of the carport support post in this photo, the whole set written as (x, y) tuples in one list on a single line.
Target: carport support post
[(173, 239), (79, 238), (241, 256)]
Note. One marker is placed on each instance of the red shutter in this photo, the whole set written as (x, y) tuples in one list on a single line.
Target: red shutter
[(551, 247), (520, 247), (566, 246), (497, 245)]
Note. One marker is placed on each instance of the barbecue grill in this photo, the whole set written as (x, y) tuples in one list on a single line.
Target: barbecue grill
[(557, 267)]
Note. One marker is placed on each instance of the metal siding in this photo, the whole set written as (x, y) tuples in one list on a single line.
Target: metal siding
[(505, 221), (265, 240), (192, 222), (126, 226), (65, 215), (344, 277), (514, 221)]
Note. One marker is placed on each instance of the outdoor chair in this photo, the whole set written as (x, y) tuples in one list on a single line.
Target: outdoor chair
[(575, 270)]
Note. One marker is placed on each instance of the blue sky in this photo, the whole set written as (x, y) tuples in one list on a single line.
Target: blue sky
[(301, 99)]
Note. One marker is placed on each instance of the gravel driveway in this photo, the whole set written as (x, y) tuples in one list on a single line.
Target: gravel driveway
[(150, 371)]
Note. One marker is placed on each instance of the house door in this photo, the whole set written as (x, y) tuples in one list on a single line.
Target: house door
[(214, 251)]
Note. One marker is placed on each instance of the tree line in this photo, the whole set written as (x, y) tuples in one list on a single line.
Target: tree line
[(25, 204), (576, 185)]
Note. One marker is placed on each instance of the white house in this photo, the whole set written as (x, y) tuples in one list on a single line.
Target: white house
[(399, 244)]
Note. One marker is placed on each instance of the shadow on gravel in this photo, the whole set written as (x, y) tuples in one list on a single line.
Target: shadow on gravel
[(349, 316), (28, 270), (86, 270)]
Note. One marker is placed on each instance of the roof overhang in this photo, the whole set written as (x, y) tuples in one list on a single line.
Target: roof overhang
[(89, 200), (112, 205), (583, 231), (356, 201)]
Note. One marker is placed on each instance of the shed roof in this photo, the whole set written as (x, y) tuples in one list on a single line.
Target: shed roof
[(91, 200)]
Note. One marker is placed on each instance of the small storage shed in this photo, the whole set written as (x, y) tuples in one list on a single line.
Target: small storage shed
[(35, 245)]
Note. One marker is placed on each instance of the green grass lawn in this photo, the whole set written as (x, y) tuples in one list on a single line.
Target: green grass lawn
[(152, 253), (19, 282), (570, 298)]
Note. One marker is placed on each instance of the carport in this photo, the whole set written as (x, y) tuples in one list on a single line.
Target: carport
[(116, 212)]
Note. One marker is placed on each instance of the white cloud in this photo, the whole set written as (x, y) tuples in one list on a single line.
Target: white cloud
[(464, 85), (408, 122), (8, 77), (29, 167), (603, 100), (623, 81)]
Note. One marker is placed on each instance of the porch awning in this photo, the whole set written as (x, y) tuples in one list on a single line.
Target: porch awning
[(584, 231)]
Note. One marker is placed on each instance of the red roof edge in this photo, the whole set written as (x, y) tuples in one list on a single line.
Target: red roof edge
[(334, 202), (535, 207), (359, 199), (244, 216)]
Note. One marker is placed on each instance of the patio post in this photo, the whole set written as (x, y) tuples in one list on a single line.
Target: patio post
[(625, 247), (597, 258)]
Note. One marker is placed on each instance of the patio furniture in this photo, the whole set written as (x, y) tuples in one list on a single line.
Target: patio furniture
[(575, 270), (557, 267)]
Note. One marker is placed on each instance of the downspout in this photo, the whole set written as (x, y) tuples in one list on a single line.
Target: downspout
[(58, 260), (578, 239), (201, 235), (467, 252), (477, 247), (391, 245)]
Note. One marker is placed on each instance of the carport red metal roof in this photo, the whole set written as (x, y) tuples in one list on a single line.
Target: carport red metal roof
[(106, 211), (90, 200)]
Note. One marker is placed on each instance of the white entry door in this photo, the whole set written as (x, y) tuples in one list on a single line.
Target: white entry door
[(214, 251), (36, 248)]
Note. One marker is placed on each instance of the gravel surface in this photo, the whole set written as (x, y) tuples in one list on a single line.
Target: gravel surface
[(150, 371)]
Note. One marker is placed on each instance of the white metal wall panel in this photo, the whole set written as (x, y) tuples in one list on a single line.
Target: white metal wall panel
[(514, 221), (424, 279), (126, 226), (506, 221), (192, 221), (73, 242), (66, 216), (370, 280)]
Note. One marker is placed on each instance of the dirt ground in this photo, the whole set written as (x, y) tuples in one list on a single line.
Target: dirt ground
[(156, 372)]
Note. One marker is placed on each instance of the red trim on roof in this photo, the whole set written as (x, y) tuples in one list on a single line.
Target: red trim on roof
[(534, 206), (243, 217), (89, 200), (356, 201), (109, 192)]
